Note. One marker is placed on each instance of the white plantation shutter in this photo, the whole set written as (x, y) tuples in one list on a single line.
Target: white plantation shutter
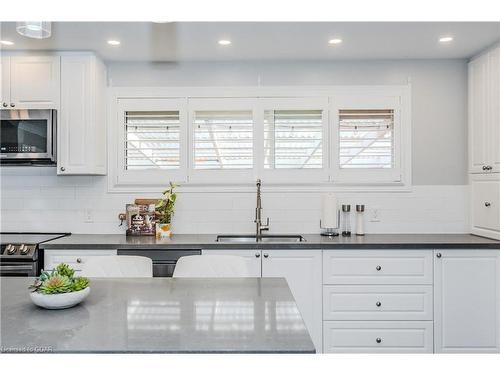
[(152, 140), (223, 139), (293, 139), (366, 138)]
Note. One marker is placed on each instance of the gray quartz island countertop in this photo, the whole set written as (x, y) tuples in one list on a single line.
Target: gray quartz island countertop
[(313, 241), (158, 315)]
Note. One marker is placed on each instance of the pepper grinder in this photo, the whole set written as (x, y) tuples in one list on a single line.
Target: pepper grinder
[(360, 224), (346, 220)]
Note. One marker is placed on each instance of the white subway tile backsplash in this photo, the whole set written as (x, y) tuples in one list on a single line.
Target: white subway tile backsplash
[(35, 199)]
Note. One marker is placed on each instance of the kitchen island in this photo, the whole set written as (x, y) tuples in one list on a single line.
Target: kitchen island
[(158, 315)]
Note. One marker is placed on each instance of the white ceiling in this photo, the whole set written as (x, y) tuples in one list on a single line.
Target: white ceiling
[(197, 41)]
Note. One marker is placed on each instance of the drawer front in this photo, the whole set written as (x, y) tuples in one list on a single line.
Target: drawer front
[(377, 302), (73, 258), (377, 337), (486, 204), (377, 267)]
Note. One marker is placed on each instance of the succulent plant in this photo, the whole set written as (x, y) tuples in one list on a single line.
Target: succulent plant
[(60, 280), (80, 283), (65, 270), (56, 284)]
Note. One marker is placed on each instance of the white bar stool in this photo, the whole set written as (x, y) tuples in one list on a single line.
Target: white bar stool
[(118, 266), (211, 266)]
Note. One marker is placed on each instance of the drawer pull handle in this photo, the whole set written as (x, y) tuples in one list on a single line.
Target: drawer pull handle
[(257, 255), (378, 304), (438, 255), (266, 255), (378, 268), (78, 260), (487, 204), (378, 340)]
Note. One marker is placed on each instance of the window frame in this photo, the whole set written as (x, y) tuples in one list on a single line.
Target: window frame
[(285, 180), (126, 177), (397, 100), (295, 175), (214, 176)]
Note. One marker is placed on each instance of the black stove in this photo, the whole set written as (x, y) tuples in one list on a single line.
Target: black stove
[(19, 255)]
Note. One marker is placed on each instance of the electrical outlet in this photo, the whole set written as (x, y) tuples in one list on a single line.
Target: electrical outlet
[(375, 215), (88, 216)]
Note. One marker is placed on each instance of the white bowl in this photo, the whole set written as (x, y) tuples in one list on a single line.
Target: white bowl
[(59, 301)]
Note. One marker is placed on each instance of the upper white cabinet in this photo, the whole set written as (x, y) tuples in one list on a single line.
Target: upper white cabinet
[(467, 301), (484, 113), (81, 129), (30, 82)]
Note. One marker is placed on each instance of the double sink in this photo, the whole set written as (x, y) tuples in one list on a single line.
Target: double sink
[(264, 238)]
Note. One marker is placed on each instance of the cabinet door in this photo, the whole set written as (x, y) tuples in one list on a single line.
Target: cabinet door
[(485, 194), (35, 81), (494, 108), (478, 115), (302, 270), (4, 81), (253, 258), (466, 300)]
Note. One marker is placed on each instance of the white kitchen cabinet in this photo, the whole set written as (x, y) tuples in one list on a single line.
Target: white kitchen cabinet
[(82, 126), (485, 205), (302, 270), (4, 81), (467, 301), (377, 267), (73, 258), (31, 82), (252, 257), (484, 113), (377, 337)]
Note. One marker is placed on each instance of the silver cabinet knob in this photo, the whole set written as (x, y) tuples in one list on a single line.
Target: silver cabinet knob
[(78, 260), (12, 105), (438, 255), (487, 204), (257, 255), (485, 168), (5, 104), (378, 268), (378, 304), (266, 255), (378, 340), (62, 169)]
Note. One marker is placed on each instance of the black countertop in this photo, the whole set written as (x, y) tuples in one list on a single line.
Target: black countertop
[(313, 241)]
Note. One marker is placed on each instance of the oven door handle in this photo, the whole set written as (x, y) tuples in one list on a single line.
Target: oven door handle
[(4, 267)]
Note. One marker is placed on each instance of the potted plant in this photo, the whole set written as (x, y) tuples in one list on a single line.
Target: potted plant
[(59, 289), (165, 211)]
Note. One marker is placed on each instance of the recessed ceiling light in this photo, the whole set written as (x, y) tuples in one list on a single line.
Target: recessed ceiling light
[(114, 42), (6, 42), (335, 41), (446, 39), (224, 42)]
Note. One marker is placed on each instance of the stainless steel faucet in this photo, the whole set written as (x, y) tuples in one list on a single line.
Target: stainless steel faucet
[(258, 216)]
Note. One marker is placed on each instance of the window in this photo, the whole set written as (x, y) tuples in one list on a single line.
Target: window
[(152, 140), (223, 140), (293, 139), (366, 138)]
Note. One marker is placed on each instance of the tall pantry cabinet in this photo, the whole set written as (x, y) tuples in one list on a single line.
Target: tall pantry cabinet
[(484, 143)]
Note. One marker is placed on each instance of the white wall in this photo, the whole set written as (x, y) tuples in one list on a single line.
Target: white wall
[(35, 199)]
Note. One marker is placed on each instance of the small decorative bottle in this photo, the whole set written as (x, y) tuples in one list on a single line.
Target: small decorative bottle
[(360, 224), (346, 220)]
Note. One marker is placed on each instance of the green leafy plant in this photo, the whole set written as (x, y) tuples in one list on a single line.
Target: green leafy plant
[(165, 206), (60, 280)]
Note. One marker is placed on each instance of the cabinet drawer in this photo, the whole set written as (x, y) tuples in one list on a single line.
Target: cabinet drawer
[(73, 258), (377, 267), (377, 302), (486, 204), (373, 337)]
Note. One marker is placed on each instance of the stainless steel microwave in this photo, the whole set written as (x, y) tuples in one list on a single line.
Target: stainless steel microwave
[(28, 136)]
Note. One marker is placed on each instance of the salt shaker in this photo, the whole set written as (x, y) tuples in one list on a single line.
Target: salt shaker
[(346, 220), (360, 220)]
